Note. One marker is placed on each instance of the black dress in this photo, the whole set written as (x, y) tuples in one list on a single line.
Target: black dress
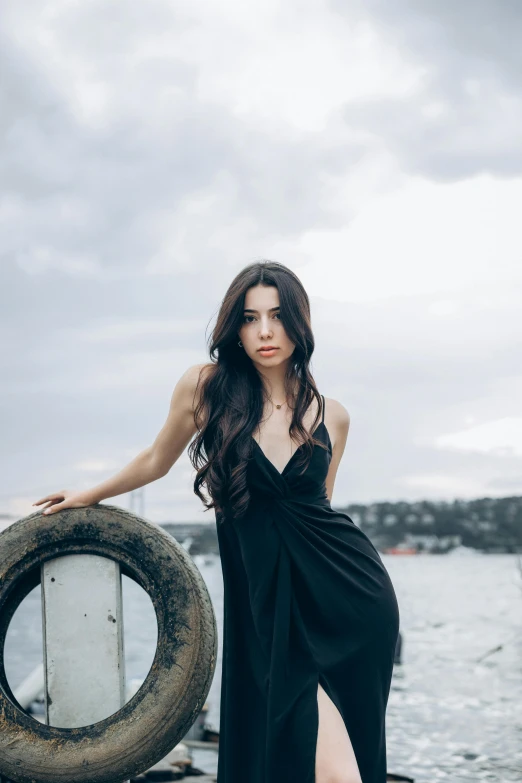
[(307, 599)]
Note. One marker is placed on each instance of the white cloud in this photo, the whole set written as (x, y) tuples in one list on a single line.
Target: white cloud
[(121, 330), (498, 438), (283, 66), (96, 466), (315, 61), (152, 150), (424, 237), (440, 485)]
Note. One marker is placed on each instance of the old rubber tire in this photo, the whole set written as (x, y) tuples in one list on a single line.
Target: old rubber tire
[(158, 716)]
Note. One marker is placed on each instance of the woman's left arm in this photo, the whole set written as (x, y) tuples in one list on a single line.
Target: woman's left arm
[(337, 426)]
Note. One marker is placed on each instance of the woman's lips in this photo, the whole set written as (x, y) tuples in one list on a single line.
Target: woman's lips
[(267, 352)]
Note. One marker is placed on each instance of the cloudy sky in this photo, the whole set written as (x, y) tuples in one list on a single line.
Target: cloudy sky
[(151, 150)]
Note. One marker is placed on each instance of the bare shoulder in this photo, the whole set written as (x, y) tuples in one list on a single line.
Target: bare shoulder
[(193, 376), (337, 420), (336, 412), (190, 382)]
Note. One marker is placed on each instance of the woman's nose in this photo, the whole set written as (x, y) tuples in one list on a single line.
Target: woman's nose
[(265, 329)]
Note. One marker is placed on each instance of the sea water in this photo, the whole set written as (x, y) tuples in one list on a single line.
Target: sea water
[(455, 706)]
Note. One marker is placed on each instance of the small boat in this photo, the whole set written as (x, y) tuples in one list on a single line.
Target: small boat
[(400, 550)]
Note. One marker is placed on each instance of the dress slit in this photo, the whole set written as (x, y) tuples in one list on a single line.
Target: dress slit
[(323, 681)]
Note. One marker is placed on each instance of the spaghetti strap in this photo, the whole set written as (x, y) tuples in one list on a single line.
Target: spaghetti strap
[(322, 420)]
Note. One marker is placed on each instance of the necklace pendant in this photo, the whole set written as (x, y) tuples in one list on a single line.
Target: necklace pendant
[(278, 406)]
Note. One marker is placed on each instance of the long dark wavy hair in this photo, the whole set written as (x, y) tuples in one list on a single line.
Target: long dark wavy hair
[(232, 395)]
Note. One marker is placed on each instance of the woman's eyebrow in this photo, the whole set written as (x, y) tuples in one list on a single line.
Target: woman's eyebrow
[(255, 311)]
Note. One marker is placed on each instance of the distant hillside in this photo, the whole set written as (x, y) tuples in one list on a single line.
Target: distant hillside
[(487, 524)]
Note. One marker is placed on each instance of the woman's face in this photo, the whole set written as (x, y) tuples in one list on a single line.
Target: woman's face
[(262, 326)]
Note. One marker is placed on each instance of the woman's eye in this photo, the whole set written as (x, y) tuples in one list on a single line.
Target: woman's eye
[(245, 317)]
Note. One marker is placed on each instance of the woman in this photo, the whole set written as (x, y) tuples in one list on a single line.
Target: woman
[(310, 615)]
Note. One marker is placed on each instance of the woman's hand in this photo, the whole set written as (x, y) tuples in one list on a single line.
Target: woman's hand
[(65, 499)]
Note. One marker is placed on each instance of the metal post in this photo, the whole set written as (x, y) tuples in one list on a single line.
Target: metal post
[(84, 664)]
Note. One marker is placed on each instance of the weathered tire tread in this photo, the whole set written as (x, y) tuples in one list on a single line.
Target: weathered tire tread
[(176, 687)]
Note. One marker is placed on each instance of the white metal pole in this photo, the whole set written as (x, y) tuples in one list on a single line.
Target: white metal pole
[(84, 663)]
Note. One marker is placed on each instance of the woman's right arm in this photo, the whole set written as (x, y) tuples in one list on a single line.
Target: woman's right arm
[(153, 462)]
